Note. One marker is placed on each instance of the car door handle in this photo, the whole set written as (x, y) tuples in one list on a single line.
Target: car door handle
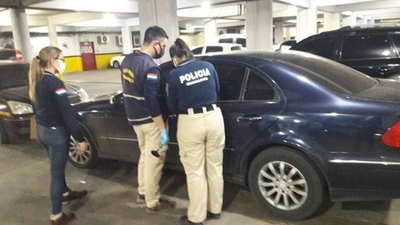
[(248, 119)]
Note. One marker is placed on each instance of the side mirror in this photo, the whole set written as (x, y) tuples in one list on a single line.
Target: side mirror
[(117, 100)]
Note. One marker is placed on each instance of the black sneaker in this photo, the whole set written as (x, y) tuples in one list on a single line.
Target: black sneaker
[(64, 219), (184, 220), (213, 216), (73, 195)]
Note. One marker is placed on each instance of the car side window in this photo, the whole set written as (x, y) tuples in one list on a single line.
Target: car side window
[(235, 48), (324, 47), (367, 47), (197, 51), (230, 80), (213, 49), (259, 89)]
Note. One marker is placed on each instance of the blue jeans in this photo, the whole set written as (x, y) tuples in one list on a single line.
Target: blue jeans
[(56, 142)]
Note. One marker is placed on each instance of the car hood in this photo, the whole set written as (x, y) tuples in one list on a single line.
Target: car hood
[(386, 90), (19, 94)]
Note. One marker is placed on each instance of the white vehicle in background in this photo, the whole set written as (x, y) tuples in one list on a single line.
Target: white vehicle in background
[(115, 61), (232, 39), (215, 48)]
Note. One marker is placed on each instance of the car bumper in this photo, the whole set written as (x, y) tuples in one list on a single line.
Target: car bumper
[(354, 180), (18, 128)]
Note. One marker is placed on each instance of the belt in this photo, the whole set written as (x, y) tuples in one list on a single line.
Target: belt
[(206, 108)]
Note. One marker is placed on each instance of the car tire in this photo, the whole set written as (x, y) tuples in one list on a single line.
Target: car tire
[(116, 64), (4, 137), (87, 159), (286, 184)]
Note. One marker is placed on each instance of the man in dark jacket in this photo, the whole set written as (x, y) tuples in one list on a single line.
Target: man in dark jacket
[(141, 90)]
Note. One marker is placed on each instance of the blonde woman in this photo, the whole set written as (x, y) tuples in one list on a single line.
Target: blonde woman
[(55, 122)]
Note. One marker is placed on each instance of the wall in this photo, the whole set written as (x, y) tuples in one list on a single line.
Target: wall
[(69, 44)]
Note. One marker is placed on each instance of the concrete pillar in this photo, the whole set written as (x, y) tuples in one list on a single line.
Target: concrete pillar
[(259, 24), (349, 20), (162, 13), (127, 44), (52, 34), (20, 30), (278, 33), (331, 21), (210, 31), (306, 21)]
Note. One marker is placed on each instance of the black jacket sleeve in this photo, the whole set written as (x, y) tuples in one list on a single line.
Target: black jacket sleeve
[(68, 114), (152, 91)]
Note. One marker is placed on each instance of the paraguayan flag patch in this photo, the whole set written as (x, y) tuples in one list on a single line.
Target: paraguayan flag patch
[(151, 76), (61, 91)]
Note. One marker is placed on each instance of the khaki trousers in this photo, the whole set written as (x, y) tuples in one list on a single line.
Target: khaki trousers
[(149, 167), (201, 139)]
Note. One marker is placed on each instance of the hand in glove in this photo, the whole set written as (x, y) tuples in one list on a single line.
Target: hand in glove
[(164, 137)]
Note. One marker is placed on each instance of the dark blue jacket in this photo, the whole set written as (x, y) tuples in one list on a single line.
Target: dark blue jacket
[(52, 107), (141, 88), (193, 84)]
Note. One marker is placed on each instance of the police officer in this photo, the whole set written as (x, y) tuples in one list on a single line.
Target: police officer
[(192, 89), (55, 122), (140, 83)]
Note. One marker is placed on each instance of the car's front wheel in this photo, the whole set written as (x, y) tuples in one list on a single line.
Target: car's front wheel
[(116, 64), (85, 159), (286, 183)]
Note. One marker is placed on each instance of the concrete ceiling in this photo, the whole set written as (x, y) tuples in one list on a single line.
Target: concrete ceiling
[(94, 14)]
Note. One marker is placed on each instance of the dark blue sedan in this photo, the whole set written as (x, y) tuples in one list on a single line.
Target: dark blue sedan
[(300, 130)]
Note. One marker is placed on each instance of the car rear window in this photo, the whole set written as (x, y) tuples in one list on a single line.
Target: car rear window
[(241, 41), (332, 75), (13, 75)]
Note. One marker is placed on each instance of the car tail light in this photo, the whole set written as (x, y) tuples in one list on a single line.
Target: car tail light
[(392, 136)]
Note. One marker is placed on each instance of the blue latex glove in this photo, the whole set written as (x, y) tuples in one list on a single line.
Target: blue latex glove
[(164, 137)]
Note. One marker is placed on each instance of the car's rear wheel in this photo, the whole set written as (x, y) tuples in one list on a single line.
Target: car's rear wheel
[(86, 159), (116, 64), (286, 183), (4, 138)]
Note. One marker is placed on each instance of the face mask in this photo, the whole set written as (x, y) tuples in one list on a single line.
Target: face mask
[(160, 54), (62, 66)]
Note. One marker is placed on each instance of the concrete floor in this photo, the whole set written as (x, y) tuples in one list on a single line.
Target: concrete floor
[(24, 186)]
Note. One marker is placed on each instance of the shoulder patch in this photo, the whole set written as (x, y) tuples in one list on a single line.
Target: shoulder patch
[(61, 91), (152, 76)]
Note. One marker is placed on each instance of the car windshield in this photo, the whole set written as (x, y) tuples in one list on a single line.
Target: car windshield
[(13, 75), (330, 74), (7, 54)]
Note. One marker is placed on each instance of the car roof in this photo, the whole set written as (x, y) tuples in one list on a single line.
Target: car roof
[(359, 29)]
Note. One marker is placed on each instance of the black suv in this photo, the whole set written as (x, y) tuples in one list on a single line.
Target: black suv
[(373, 50)]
